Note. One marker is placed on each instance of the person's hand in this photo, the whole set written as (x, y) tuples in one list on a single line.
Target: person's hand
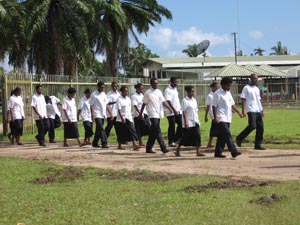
[(123, 120), (40, 116), (216, 121), (262, 114), (112, 117), (69, 121), (206, 119), (141, 117), (175, 113)]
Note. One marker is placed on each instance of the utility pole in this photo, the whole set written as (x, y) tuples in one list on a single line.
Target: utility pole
[(235, 56)]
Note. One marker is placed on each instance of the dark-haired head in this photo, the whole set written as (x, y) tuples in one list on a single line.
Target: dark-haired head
[(47, 99), (100, 83), (124, 91), (37, 87), (138, 85), (123, 88), (226, 81), (87, 91), (189, 90), (213, 84), (17, 91), (174, 81), (71, 91)]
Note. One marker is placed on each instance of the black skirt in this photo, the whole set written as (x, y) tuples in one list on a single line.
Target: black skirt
[(191, 136), (142, 127), (125, 132), (71, 130), (18, 127), (88, 128)]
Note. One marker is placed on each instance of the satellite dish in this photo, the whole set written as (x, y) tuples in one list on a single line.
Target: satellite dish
[(202, 46)]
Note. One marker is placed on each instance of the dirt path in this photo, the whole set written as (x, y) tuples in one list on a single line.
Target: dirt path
[(267, 165)]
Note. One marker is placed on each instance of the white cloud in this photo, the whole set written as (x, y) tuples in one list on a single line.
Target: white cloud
[(166, 39), (256, 34)]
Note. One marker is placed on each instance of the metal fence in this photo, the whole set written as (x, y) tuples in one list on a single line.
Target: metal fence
[(274, 91)]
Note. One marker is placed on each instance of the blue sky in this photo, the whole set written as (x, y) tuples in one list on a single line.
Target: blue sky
[(259, 23)]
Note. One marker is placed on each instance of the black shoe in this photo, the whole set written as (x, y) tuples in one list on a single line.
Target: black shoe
[(235, 154), (96, 146), (150, 151), (52, 141), (105, 146), (238, 142), (220, 156), (42, 144), (259, 148), (165, 151), (172, 145)]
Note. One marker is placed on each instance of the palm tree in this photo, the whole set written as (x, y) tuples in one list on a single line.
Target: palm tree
[(279, 49), (122, 19), (191, 50), (259, 51)]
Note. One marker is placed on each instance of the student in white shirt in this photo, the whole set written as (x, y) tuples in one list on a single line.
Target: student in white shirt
[(223, 106), (213, 131), (191, 135), (142, 127), (51, 117), (69, 117), (112, 97), (174, 116), (38, 104), (251, 102), (55, 102), (10, 123), (154, 101), (17, 114), (84, 109), (124, 123), (99, 107)]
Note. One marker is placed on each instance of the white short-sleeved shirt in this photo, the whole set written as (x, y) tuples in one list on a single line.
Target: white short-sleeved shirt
[(16, 106), (99, 101), (85, 108), (55, 101), (154, 99), (171, 94), (50, 111), (209, 102), (223, 101), (70, 106), (124, 105), (252, 95), (112, 97), (38, 101), (190, 107), (137, 100)]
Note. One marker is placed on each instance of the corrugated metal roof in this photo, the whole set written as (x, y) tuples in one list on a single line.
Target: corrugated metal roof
[(259, 71), (231, 70), (273, 70)]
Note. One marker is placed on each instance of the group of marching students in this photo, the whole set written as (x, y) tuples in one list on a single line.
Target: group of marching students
[(116, 108)]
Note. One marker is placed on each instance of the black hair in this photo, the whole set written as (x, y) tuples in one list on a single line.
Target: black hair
[(123, 88), (188, 88), (38, 86), (138, 85), (114, 82), (172, 79), (16, 90), (213, 84), (71, 90), (86, 91), (100, 83), (47, 99), (226, 80), (152, 79)]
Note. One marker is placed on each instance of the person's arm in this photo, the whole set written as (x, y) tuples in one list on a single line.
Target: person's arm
[(109, 111), (234, 109), (243, 107), (206, 113), (121, 116), (215, 114), (172, 107), (185, 119), (92, 113), (37, 112), (78, 113), (141, 112), (67, 116), (165, 103)]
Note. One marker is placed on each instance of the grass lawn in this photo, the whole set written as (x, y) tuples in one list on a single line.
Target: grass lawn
[(106, 197), (281, 129)]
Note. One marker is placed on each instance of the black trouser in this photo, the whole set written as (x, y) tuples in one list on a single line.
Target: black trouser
[(88, 129), (172, 135), (43, 127), (100, 133), (224, 137), (155, 133), (51, 132), (255, 121), (110, 124)]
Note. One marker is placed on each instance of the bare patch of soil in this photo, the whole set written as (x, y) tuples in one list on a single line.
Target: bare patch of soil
[(233, 183), (65, 174), (268, 199), (140, 175)]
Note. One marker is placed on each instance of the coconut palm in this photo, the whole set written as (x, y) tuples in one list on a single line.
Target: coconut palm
[(191, 50), (259, 51), (279, 49), (122, 19)]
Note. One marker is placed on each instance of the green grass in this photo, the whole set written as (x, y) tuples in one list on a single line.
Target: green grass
[(281, 129), (94, 199)]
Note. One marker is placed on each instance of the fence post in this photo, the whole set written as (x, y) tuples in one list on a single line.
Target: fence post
[(31, 94)]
